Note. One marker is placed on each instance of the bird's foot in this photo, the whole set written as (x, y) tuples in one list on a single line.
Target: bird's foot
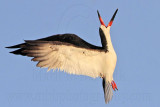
[(114, 86)]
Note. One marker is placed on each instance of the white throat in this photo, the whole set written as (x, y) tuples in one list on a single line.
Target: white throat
[(106, 32)]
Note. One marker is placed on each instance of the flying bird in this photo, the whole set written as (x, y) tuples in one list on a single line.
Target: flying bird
[(71, 54)]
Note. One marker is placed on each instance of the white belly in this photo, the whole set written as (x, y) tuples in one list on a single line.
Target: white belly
[(110, 64)]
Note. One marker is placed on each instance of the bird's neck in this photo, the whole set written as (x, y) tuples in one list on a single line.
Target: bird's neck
[(108, 39), (109, 43)]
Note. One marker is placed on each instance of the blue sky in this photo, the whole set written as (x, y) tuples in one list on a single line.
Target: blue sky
[(134, 33)]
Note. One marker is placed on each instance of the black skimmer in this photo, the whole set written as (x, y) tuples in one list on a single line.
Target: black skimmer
[(71, 54)]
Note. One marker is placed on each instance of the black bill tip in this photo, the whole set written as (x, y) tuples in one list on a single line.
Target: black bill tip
[(111, 21), (114, 15), (98, 14)]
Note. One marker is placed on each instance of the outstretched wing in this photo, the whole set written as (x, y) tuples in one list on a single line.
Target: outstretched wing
[(64, 56)]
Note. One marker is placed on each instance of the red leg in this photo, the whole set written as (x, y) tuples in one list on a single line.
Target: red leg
[(114, 86)]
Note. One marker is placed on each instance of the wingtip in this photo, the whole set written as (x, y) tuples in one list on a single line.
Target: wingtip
[(6, 47), (10, 47), (14, 52), (16, 46)]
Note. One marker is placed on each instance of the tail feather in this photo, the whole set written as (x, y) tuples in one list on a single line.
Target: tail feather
[(107, 88)]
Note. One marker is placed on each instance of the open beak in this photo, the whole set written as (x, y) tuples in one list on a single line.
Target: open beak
[(111, 21), (100, 19)]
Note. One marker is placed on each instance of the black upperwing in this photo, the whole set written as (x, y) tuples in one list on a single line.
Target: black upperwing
[(70, 39)]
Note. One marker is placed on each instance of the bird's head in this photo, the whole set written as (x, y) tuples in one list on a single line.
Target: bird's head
[(111, 21)]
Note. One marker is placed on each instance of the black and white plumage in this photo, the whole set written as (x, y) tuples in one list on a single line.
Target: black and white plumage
[(71, 54)]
